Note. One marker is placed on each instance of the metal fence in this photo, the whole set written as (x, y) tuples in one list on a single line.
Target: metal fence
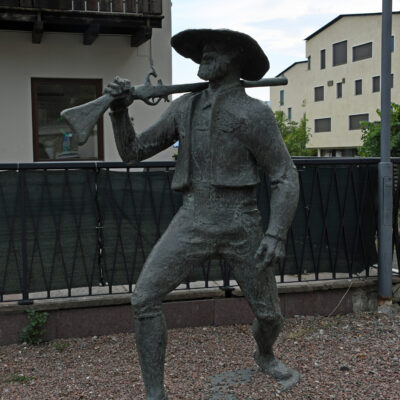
[(71, 229)]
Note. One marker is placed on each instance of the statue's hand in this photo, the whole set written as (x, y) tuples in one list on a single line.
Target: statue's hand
[(120, 89), (270, 252)]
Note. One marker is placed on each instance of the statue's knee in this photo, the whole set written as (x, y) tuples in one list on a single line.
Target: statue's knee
[(144, 307), (269, 319)]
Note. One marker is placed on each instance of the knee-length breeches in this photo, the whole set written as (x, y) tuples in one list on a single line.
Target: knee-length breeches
[(194, 236)]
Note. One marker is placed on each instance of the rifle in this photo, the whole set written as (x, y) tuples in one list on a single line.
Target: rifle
[(83, 118)]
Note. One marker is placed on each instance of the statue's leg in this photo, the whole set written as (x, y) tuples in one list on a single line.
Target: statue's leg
[(168, 264), (261, 292)]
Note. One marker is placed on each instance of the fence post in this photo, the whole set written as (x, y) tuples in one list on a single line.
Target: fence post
[(385, 168), (22, 201)]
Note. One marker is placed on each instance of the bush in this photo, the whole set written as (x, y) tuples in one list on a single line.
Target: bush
[(33, 333)]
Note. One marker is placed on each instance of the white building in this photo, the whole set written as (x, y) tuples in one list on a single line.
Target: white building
[(338, 85), (59, 53)]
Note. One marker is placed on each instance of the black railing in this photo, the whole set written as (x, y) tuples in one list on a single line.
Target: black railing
[(115, 6), (71, 229)]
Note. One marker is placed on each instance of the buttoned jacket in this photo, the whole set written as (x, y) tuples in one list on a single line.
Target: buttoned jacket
[(243, 137)]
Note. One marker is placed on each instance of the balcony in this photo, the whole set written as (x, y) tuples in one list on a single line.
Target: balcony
[(89, 17)]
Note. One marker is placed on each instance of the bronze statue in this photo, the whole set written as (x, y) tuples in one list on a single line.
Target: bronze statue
[(224, 137)]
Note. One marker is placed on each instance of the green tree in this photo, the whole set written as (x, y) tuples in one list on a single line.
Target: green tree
[(371, 135), (295, 135)]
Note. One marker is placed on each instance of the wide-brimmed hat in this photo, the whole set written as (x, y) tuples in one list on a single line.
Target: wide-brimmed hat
[(254, 62)]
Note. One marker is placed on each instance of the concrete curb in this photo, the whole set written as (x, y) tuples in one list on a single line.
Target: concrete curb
[(107, 314)]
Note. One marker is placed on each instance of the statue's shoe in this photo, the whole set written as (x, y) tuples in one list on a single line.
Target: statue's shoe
[(286, 376)]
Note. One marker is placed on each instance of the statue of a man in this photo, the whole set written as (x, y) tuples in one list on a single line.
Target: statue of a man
[(224, 137)]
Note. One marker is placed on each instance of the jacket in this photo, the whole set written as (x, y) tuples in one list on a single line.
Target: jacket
[(244, 136)]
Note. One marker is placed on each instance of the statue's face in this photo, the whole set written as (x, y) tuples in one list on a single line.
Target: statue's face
[(215, 62)]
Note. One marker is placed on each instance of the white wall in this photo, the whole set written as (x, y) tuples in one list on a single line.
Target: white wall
[(62, 55)]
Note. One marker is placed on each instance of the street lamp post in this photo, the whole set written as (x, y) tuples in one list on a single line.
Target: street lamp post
[(385, 168)]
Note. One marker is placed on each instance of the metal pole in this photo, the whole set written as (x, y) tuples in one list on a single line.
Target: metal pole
[(385, 169)]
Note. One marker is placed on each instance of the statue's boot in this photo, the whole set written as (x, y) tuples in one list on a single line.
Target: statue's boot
[(151, 342), (265, 335)]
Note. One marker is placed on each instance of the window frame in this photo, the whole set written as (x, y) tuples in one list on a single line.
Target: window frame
[(339, 84), (319, 119), (316, 90), (357, 115), (35, 81), (333, 53), (354, 48), (360, 88), (282, 97), (323, 59), (378, 79)]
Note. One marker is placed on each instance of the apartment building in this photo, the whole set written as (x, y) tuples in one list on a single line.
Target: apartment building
[(338, 84), (60, 53)]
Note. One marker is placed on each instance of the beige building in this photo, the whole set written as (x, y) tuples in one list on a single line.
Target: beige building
[(60, 53), (338, 85)]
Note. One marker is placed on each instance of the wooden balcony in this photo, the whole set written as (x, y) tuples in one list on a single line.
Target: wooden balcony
[(89, 17)]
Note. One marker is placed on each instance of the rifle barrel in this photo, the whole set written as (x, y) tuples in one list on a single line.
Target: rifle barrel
[(165, 90)]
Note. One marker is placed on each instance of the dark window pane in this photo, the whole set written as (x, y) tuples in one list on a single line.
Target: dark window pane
[(362, 52), (323, 59), (309, 62), (322, 125), (53, 138), (289, 112), (391, 80), (340, 53), (358, 87), (282, 97), (376, 84), (339, 90), (319, 93), (355, 121), (392, 44)]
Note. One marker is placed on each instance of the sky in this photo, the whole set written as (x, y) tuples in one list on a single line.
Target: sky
[(279, 26)]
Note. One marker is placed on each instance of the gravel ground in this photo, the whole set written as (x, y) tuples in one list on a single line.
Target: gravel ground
[(341, 357)]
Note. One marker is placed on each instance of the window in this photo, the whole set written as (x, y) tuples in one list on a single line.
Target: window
[(376, 84), (392, 44), (322, 125), (52, 137), (362, 51), (282, 97), (289, 113), (339, 53), (309, 62), (391, 80), (358, 87), (319, 93), (355, 121), (323, 59), (339, 90)]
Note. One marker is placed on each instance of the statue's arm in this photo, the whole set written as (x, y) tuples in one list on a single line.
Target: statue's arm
[(272, 156), (133, 147)]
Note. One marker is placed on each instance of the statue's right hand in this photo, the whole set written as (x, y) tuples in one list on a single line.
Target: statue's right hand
[(120, 89)]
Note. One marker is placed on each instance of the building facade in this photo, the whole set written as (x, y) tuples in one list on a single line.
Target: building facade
[(338, 85), (61, 53)]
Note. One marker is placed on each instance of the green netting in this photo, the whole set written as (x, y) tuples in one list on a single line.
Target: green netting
[(57, 221)]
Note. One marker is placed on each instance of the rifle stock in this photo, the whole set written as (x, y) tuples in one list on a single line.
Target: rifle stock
[(83, 118)]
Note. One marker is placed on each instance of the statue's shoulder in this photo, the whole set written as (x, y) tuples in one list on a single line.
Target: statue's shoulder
[(181, 102), (254, 109)]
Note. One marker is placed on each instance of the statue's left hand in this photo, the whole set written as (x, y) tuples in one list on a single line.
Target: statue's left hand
[(270, 252)]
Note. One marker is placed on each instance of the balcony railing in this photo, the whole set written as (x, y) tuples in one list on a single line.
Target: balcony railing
[(152, 7), (72, 229)]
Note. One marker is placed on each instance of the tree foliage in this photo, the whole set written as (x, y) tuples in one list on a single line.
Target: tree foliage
[(371, 135), (295, 135)]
